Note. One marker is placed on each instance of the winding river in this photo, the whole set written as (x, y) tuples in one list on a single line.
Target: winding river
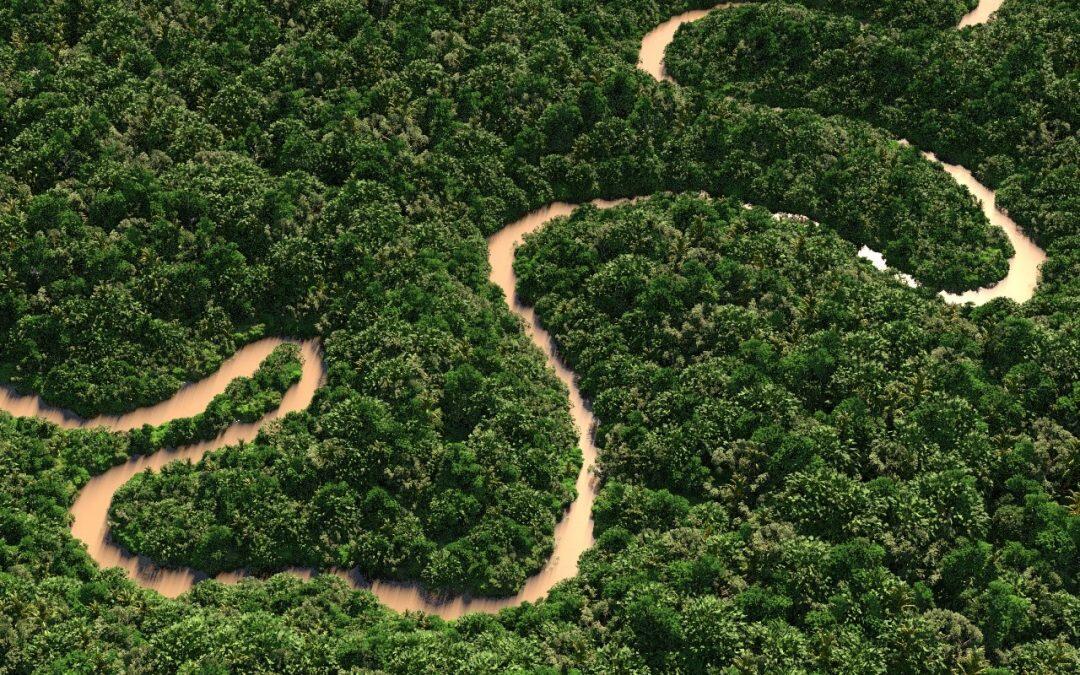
[(573, 534), (981, 13), (1023, 275), (90, 511)]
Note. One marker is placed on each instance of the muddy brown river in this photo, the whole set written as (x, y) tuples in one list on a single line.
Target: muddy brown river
[(573, 533), (1023, 275), (980, 14), (91, 508)]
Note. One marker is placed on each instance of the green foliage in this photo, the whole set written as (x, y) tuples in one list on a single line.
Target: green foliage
[(245, 399), (805, 466), (846, 426), (998, 98)]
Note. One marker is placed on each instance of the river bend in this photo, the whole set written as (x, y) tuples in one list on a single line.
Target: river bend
[(573, 534), (1023, 275)]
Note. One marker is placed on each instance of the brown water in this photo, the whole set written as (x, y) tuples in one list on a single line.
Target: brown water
[(1019, 284), (1023, 275), (651, 56), (574, 532), (189, 401), (980, 14), (572, 535), (91, 508)]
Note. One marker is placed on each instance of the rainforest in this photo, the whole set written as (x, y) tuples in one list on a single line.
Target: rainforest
[(539, 336)]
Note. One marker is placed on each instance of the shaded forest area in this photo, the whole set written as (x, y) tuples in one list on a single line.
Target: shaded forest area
[(1001, 99), (177, 180), (169, 183), (803, 450)]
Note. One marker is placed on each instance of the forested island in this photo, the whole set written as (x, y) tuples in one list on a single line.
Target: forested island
[(802, 464)]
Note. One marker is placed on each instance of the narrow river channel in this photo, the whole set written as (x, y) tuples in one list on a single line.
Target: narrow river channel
[(574, 532), (1023, 275)]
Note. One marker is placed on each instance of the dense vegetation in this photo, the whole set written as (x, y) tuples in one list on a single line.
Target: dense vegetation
[(167, 192), (804, 449), (806, 466), (1001, 99), (245, 399), (901, 13), (352, 484)]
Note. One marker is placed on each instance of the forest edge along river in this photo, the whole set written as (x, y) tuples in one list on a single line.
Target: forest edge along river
[(573, 534), (1023, 275)]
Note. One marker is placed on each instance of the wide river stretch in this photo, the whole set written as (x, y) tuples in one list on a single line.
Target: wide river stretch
[(574, 532)]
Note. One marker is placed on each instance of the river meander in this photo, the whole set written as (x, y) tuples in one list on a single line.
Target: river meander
[(573, 534)]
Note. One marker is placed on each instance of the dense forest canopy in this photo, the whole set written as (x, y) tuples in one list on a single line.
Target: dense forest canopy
[(172, 169), (805, 466), (811, 433), (1002, 99)]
